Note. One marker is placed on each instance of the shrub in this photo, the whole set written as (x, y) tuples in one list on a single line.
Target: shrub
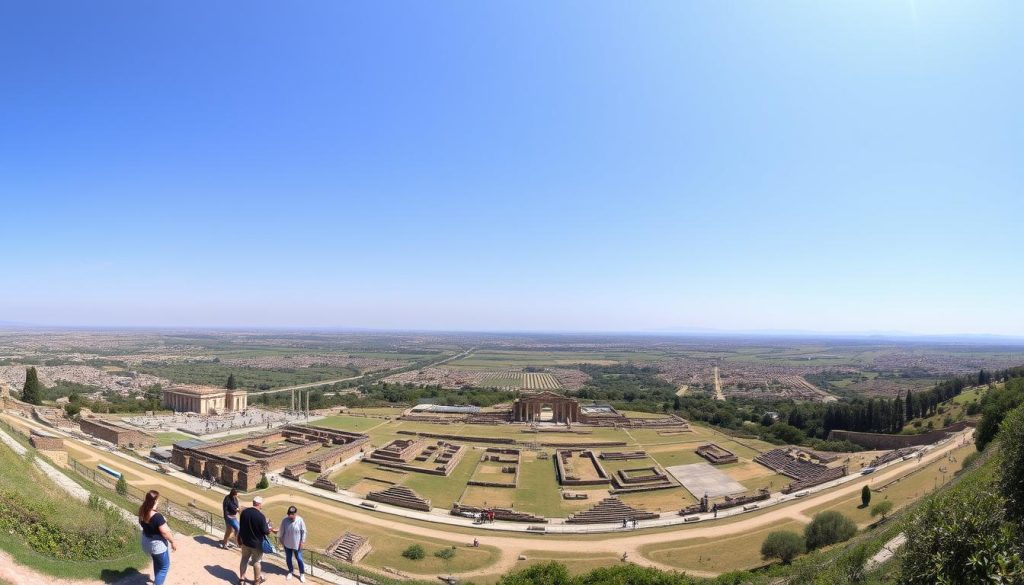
[(1011, 469), (970, 459), (414, 552), (882, 508), (783, 545), (828, 528), (787, 433), (264, 483), (960, 537), (122, 486), (550, 573), (865, 497), (446, 553)]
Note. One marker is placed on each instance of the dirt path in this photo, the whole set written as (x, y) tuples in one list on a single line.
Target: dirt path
[(512, 546), (198, 561)]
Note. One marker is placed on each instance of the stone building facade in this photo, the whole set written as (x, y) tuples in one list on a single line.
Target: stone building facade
[(242, 462), (45, 441), (204, 399), (117, 433), (546, 407)]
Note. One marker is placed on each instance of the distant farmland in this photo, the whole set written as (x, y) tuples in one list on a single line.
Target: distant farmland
[(514, 380)]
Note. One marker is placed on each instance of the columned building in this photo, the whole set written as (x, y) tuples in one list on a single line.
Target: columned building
[(546, 407), (204, 399)]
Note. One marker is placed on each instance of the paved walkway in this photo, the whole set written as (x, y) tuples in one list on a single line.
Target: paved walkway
[(198, 560), (886, 553), (617, 541)]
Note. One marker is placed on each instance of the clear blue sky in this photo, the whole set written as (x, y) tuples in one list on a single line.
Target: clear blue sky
[(827, 166)]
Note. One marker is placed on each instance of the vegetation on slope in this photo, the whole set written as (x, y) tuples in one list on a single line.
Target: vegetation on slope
[(41, 527)]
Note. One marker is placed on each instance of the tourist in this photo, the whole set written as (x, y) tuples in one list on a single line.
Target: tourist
[(230, 509), (156, 535), (253, 529), (293, 539)]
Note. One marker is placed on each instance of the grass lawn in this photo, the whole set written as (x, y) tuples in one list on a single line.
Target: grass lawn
[(741, 551), (538, 491), (352, 424), (389, 544), (165, 439), (670, 458), (773, 481), (665, 500), (440, 490), (908, 490)]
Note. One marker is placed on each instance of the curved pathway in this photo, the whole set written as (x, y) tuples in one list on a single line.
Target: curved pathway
[(511, 546)]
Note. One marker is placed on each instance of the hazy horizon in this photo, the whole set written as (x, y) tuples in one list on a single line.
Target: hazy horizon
[(568, 167)]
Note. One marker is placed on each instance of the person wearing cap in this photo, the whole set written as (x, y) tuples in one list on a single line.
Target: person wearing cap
[(253, 528), (293, 539)]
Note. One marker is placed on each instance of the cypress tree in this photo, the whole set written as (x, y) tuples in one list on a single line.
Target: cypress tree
[(910, 405), (30, 393), (230, 385), (865, 496)]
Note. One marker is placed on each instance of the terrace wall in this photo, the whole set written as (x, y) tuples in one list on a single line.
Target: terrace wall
[(881, 441), (122, 437)]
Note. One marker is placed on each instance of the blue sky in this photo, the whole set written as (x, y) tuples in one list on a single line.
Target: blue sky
[(526, 166)]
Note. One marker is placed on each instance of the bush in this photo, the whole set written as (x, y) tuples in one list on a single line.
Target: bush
[(960, 537), (122, 486), (446, 553), (783, 545), (787, 433), (1011, 469), (828, 528), (865, 497), (970, 459), (554, 573), (264, 483), (414, 552), (882, 508)]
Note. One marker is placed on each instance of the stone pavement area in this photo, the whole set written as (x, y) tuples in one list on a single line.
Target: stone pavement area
[(702, 478)]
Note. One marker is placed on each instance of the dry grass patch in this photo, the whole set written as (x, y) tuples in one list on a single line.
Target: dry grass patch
[(729, 553)]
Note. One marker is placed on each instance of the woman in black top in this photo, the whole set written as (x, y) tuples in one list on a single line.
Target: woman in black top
[(156, 535), (230, 509)]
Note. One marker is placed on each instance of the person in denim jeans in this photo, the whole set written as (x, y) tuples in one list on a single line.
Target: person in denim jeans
[(229, 507), (156, 535), (293, 539)]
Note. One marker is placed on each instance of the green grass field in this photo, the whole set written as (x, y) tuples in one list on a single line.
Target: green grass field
[(351, 424), (728, 553), (922, 481), (388, 545), (165, 439)]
